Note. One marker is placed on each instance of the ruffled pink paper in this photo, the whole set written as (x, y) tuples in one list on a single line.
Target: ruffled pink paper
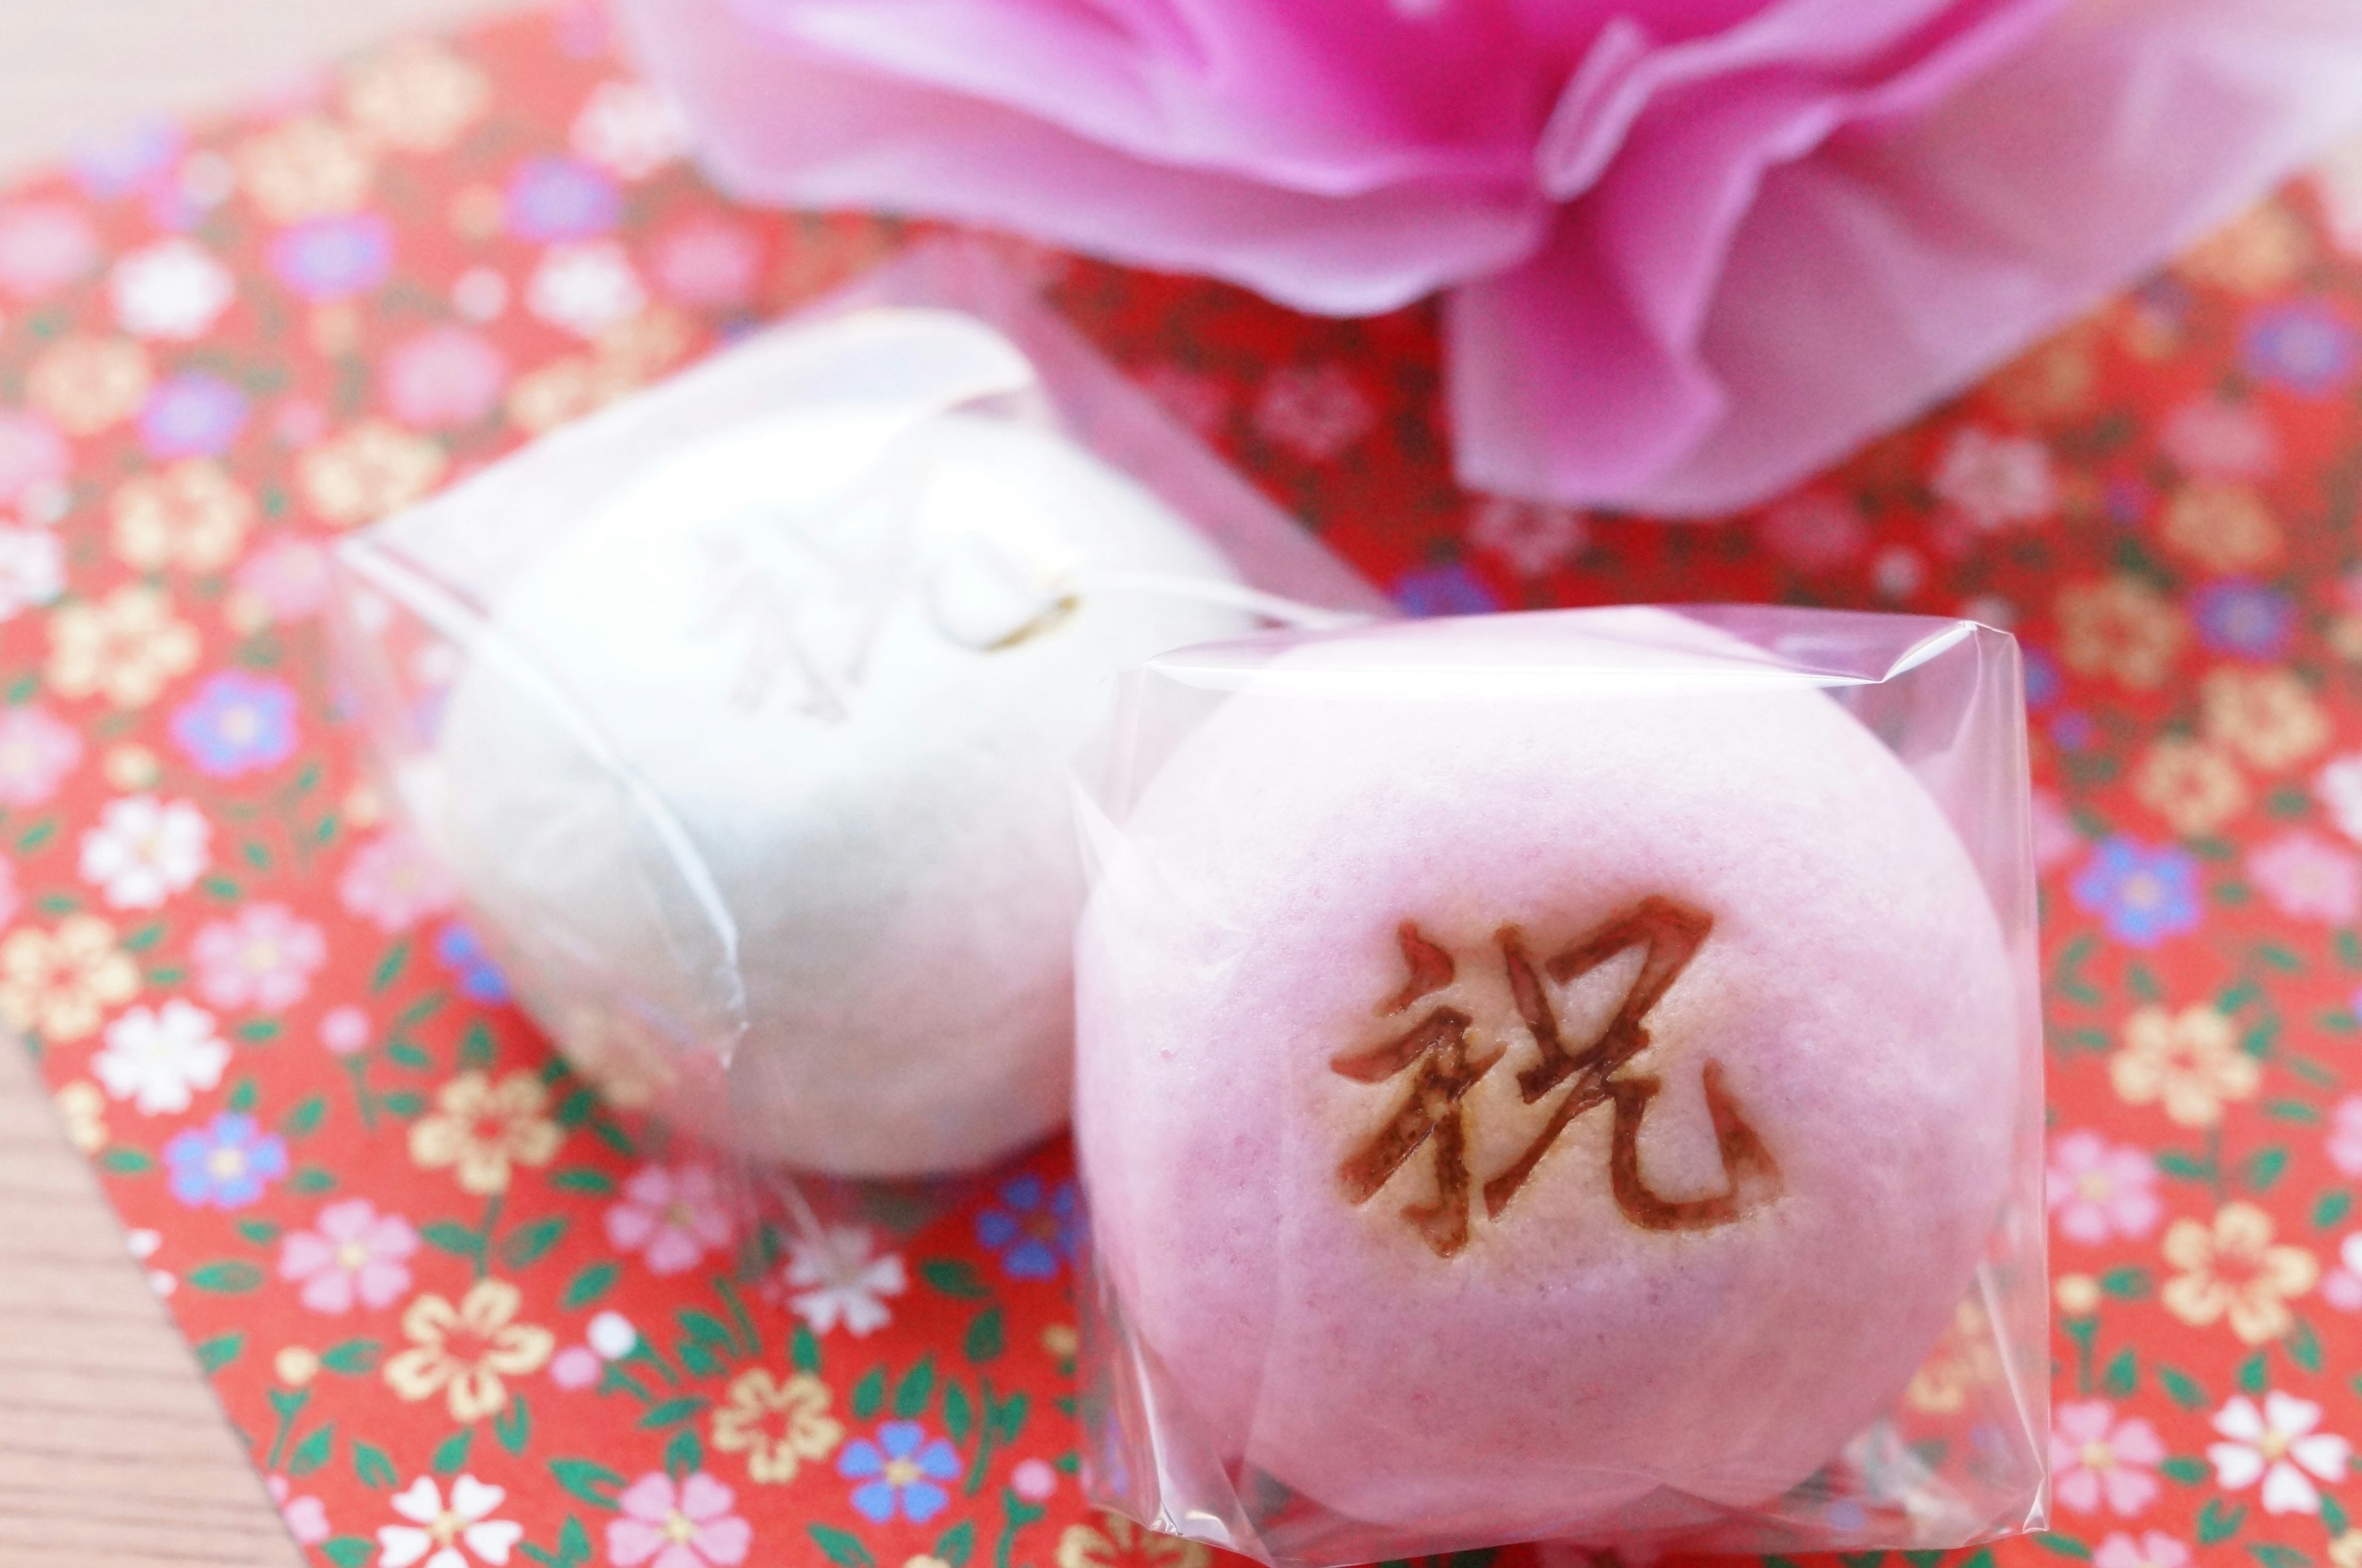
[(1694, 249)]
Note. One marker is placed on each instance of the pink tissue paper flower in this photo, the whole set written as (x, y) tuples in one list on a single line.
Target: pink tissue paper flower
[(1692, 249)]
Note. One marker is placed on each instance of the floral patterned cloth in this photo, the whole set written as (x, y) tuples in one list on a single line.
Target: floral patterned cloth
[(458, 1316)]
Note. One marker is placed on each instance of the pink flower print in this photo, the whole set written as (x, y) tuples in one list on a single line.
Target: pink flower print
[(36, 751), (575, 1368), (2216, 438), (1995, 482), (2346, 1135), (2343, 1287), (11, 900), (707, 264), (689, 1526), (2155, 1549), (444, 379), (1198, 401), (44, 245), (344, 1032), (609, 1337), (298, 421), (1034, 1480), (1534, 537), (2056, 841), (394, 882), (1817, 532), (33, 455), (289, 578), (307, 1517), (630, 129), (1313, 411), (671, 1215), (351, 1253), (2095, 1457), (262, 957), (2308, 878), (2098, 1191)]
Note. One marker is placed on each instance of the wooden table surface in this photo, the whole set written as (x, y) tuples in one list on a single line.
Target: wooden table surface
[(112, 1453)]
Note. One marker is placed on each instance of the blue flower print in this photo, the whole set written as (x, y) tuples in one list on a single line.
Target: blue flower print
[(2247, 618), (2143, 894), (226, 1164), (1444, 590), (192, 415), (237, 724), (332, 258), (2302, 346), (2127, 502), (472, 969), (557, 198), (136, 158), (900, 1470), (1035, 1227), (2043, 681)]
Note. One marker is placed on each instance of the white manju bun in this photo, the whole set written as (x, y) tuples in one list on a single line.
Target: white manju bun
[(759, 776)]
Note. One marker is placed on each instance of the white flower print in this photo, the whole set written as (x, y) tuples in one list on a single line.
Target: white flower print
[(32, 571), (2339, 785), (1533, 538), (1996, 480), (143, 1245), (612, 1336), (839, 1277), (585, 287), (629, 128), (437, 1535), (2337, 180), (173, 289), (144, 850), (2279, 1444), (155, 1057)]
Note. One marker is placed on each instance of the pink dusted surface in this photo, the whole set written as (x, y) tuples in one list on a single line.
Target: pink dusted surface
[(226, 344), (1850, 984), (1696, 248)]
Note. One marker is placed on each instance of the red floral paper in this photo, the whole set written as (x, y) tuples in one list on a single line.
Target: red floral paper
[(457, 1316)]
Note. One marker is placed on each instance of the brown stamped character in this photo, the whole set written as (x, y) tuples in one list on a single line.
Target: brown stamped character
[(1447, 1067), (1670, 936), (1449, 1063)]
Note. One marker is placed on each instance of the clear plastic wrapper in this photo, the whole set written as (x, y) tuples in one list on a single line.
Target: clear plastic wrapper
[(1570, 1076), (742, 710)]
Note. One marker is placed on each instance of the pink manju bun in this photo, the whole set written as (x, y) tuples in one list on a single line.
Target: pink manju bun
[(1339, 920)]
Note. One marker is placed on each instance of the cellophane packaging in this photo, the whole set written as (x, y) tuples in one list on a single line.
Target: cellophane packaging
[(741, 711), (1566, 1077)]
